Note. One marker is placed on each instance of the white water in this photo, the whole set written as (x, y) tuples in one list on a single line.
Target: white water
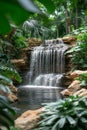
[(44, 80), (47, 64)]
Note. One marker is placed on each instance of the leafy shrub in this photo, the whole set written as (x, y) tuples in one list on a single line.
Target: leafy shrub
[(79, 52), (79, 30), (79, 57), (10, 73), (6, 113), (18, 40), (67, 114)]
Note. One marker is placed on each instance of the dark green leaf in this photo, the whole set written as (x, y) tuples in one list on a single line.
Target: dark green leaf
[(7, 117), (83, 120), (71, 120), (49, 4)]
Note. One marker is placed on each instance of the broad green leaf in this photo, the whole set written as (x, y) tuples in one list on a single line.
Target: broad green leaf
[(7, 116), (71, 120), (83, 120), (5, 80), (11, 11), (29, 5), (49, 4), (4, 123), (59, 124), (4, 24), (10, 73), (62, 122), (83, 83), (52, 120), (5, 88), (6, 113)]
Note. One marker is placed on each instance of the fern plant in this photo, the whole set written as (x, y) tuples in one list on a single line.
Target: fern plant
[(66, 114)]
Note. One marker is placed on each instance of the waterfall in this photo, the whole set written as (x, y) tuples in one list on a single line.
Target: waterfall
[(43, 82), (47, 64)]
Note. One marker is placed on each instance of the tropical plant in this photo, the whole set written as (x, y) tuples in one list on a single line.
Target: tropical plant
[(83, 79), (79, 31), (10, 73), (79, 57), (65, 13), (6, 113), (67, 114), (17, 11), (18, 40), (79, 52), (7, 72)]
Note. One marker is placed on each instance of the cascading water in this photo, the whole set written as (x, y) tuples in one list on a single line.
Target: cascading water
[(44, 80), (47, 64)]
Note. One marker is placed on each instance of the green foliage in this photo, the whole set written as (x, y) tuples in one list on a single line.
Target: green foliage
[(49, 5), (13, 12), (18, 40), (14, 128), (10, 73), (79, 31), (79, 52), (4, 88), (82, 38), (6, 113), (83, 80), (66, 114), (80, 55), (4, 80), (35, 29), (7, 72)]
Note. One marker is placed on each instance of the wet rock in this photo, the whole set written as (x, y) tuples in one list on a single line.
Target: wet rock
[(13, 89), (34, 42), (69, 39), (12, 97), (19, 63), (66, 92), (76, 73), (29, 119), (81, 92), (73, 87)]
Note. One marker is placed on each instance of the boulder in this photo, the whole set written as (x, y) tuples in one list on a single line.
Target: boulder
[(73, 87), (12, 97), (13, 88), (69, 39), (66, 92), (19, 63), (29, 119), (81, 92), (76, 73)]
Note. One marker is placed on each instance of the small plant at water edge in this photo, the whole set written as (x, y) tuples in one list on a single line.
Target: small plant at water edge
[(67, 114), (83, 80)]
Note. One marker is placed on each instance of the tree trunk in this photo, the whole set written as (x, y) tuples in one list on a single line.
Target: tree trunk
[(76, 17)]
